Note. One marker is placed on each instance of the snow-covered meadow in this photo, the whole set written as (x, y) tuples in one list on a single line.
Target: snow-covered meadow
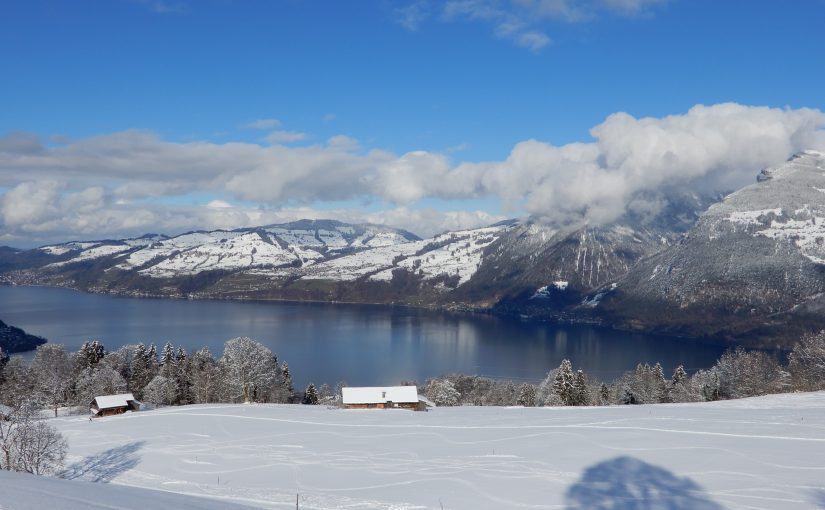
[(764, 452)]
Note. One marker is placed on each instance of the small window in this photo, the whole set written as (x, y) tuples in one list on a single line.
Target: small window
[(383, 394)]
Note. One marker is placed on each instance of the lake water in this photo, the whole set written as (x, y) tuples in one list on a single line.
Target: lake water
[(360, 344)]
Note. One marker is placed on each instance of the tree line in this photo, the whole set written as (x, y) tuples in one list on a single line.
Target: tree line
[(246, 372), (737, 374)]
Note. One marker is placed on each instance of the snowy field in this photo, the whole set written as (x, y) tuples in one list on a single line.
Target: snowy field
[(766, 452)]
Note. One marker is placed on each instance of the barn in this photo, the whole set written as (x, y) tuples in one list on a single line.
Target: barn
[(108, 405), (384, 397)]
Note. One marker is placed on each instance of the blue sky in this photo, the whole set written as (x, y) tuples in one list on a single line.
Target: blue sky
[(468, 81)]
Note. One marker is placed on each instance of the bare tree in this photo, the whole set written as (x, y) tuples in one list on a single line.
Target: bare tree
[(29, 444), (51, 372)]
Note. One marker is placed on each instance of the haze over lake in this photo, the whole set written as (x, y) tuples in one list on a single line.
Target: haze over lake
[(360, 344)]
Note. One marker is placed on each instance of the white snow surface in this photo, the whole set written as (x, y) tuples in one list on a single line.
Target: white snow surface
[(757, 453), (19, 491)]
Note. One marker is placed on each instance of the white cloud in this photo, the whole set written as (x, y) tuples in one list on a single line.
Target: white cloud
[(523, 22), (262, 124), (285, 137), (109, 185)]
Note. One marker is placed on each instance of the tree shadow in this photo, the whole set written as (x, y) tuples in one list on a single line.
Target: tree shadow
[(626, 483), (106, 465), (819, 498)]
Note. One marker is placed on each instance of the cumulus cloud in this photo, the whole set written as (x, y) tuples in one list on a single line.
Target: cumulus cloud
[(110, 185)]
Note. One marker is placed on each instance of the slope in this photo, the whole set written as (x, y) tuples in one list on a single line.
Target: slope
[(762, 452)]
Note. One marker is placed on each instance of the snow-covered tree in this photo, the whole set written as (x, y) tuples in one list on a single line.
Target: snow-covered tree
[(248, 368), (748, 373), (161, 391), (140, 375), (51, 372), (89, 355), (29, 444), (167, 362), (18, 385), (94, 382), (807, 363), (205, 377), (581, 392), (604, 395), (563, 383), (526, 395), (310, 395), (183, 377), (442, 392)]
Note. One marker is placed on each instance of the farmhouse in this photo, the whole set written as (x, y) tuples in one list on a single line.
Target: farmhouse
[(386, 397), (108, 405)]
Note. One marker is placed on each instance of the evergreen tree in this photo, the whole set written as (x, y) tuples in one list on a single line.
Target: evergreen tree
[(152, 361), (563, 383), (167, 361), (604, 394), (204, 376), (183, 377), (679, 376), (310, 395), (658, 383), (140, 371), (581, 393), (290, 389), (527, 395)]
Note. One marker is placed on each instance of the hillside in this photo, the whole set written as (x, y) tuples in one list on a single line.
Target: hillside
[(14, 339), (752, 266), (697, 456)]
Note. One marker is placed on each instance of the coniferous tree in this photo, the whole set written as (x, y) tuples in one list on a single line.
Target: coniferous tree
[(604, 394), (527, 395), (167, 362), (204, 377), (310, 395), (183, 377), (152, 361), (563, 383), (581, 393), (141, 374)]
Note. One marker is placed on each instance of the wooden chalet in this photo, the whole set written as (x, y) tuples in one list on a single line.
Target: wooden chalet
[(384, 397), (108, 405)]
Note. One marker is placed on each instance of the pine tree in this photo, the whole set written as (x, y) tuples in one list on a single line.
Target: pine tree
[(581, 393), (152, 360), (527, 395), (604, 394), (563, 383), (310, 395), (679, 376), (140, 371), (167, 362), (183, 377), (659, 384), (290, 389)]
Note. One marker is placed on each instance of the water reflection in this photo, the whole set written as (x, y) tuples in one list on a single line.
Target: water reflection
[(361, 344)]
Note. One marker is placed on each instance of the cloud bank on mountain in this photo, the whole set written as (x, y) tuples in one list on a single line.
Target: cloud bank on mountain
[(133, 181)]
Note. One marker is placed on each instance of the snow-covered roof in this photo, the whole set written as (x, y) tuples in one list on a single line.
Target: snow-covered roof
[(110, 401), (379, 394)]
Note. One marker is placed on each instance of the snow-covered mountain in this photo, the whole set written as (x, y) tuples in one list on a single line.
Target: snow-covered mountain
[(750, 264)]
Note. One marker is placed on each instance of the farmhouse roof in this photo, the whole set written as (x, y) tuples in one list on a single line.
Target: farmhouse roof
[(379, 394), (113, 401)]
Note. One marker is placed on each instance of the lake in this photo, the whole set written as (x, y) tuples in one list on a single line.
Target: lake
[(359, 344)]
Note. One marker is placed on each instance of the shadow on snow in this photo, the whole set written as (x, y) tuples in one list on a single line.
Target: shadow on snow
[(626, 483), (106, 465)]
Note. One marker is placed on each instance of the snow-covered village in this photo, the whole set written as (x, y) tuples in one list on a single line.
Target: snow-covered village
[(412, 255)]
